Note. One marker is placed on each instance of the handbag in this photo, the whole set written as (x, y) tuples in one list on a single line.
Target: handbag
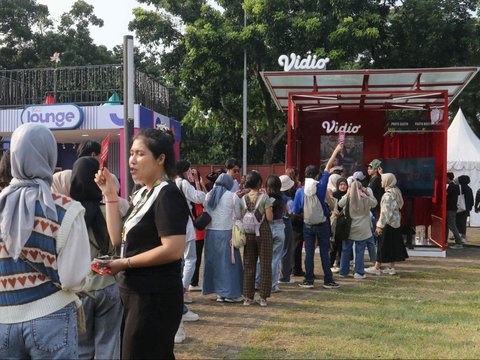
[(461, 202), (344, 223), (238, 236), (202, 220)]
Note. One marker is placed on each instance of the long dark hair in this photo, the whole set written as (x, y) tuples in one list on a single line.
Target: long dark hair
[(253, 180), (5, 170), (160, 141), (273, 185)]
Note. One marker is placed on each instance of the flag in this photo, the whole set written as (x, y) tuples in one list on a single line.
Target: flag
[(104, 151), (55, 57)]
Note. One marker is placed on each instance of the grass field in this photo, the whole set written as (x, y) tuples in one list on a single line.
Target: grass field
[(430, 310)]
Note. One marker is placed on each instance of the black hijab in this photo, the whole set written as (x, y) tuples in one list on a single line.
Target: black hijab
[(85, 190), (337, 194)]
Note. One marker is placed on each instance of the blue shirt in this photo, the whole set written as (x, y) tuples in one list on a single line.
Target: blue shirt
[(297, 205)]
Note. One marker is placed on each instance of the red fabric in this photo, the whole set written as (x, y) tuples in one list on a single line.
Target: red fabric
[(199, 234), (411, 145), (49, 99)]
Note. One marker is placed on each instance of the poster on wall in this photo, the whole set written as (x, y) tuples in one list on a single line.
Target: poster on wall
[(351, 158)]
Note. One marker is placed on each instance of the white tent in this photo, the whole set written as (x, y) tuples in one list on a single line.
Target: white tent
[(463, 155)]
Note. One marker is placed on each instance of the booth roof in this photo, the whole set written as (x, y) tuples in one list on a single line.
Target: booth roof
[(414, 89)]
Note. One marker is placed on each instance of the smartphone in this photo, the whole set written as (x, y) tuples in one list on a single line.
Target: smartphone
[(341, 137), (105, 259)]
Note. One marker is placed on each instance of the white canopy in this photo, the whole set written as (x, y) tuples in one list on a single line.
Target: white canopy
[(463, 155)]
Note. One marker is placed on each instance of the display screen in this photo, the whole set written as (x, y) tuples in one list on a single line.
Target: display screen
[(415, 176)]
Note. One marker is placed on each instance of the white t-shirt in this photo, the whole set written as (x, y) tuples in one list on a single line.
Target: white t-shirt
[(222, 215)]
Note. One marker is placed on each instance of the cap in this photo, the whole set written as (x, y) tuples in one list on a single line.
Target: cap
[(287, 182), (337, 168), (358, 175), (375, 163)]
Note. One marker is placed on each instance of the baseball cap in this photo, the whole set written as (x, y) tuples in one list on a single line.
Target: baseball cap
[(358, 175), (375, 163), (287, 182)]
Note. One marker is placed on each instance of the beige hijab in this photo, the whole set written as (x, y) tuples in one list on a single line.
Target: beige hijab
[(389, 183), (357, 202), (62, 181)]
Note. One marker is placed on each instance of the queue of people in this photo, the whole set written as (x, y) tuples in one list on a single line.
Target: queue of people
[(146, 253)]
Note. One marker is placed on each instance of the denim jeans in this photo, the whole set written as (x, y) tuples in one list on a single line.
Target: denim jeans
[(278, 236), (52, 336), (452, 226), (371, 248), (322, 234), (189, 261), (286, 265), (103, 315), (347, 248)]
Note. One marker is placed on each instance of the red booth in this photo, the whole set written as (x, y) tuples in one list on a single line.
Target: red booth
[(385, 114)]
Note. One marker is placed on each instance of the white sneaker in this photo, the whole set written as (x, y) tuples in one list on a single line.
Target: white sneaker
[(358, 276), (389, 271), (456, 246), (291, 281), (194, 288), (335, 269), (275, 289), (373, 270), (187, 298), (180, 335), (190, 316)]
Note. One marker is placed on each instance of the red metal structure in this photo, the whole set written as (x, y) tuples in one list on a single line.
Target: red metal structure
[(322, 103)]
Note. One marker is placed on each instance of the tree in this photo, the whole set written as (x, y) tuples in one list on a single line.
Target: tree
[(203, 48)]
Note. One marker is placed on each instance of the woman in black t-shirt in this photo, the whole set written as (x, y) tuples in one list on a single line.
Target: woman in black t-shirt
[(152, 240)]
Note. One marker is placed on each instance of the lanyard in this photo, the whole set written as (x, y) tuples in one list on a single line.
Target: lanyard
[(138, 206)]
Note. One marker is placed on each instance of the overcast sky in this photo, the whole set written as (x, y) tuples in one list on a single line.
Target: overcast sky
[(116, 14)]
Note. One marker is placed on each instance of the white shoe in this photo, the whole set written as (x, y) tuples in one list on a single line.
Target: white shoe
[(291, 281), (373, 270), (275, 289), (237, 299), (187, 298), (335, 269), (180, 335), (190, 316), (194, 288), (389, 271), (358, 276)]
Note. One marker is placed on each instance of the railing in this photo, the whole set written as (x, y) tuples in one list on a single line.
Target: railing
[(82, 85)]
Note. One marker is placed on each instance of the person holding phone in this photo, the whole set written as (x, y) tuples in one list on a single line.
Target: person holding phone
[(152, 239)]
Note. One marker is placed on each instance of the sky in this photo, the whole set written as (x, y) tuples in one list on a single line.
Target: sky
[(116, 14)]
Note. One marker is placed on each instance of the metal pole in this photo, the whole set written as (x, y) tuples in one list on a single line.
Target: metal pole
[(244, 163), (128, 102)]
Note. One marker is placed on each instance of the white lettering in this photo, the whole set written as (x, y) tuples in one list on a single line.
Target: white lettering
[(58, 116), (333, 126), (297, 63)]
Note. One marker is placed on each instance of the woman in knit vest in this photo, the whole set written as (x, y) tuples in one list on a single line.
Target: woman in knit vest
[(43, 254)]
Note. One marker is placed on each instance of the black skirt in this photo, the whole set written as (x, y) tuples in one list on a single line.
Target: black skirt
[(390, 246)]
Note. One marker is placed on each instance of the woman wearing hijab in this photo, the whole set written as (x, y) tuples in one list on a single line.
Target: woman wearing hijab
[(38, 312), (390, 241), (103, 308), (152, 241), (223, 270), (62, 181), (336, 244), (361, 200)]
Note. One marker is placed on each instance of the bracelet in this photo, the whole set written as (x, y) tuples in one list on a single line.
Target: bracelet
[(110, 201), (129, 263)]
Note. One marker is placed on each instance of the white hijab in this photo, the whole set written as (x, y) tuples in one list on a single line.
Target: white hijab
[(33, 152)]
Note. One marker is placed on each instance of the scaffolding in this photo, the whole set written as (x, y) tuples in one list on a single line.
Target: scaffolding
[(81, 85)]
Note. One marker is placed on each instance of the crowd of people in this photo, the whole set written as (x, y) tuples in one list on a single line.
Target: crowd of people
[(87, 274)]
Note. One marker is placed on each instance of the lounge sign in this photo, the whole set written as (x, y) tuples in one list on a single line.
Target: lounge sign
[(55, 117), (295, 62)]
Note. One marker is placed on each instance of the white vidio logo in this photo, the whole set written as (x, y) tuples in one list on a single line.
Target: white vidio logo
[(333, 126), (296, 62)]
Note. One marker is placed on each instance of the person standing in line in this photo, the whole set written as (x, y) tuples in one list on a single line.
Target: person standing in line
[(277, 226), (89, 148), (477, 201), (461, 217), (102, 307), (361, 200), (310, 201), (257, 246), (375, 183), (199, 234), (452, 197), (391, 248), (38, 305), (223, 270), (288, 193), (152, 241), (233, 167), (336, 244)]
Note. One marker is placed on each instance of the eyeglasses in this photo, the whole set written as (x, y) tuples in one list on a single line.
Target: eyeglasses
[(235, 171)]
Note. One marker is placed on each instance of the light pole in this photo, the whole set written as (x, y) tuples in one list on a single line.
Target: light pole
[(244, 162)]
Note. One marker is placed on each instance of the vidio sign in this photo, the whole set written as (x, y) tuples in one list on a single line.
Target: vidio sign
[(55, 117), (296, 62)]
